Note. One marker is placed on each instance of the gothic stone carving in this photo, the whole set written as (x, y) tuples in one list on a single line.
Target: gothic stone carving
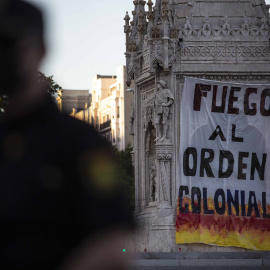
[(146, 60), (226, 30), (132, 46), (149, 85), (164, 156), (134, 68), (225, 52), (153, 181), (165, 194), (164, 100), (174, 32), (150, 159), (147, 110), (158, 55), (262, 79), (147, 116), (155, 32)]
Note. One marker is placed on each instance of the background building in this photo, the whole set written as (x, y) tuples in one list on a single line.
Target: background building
[(110, 108), (69, 100)]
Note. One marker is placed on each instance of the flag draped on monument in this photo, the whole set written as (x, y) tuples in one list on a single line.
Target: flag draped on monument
[(224, 190)]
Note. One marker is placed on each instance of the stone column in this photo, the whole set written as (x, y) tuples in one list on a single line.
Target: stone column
[(151, 49), (162, 230), (166, 54), (164, 157)]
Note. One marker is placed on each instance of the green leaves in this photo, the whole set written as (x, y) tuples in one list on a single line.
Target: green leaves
[(50, 85), (127, 175)]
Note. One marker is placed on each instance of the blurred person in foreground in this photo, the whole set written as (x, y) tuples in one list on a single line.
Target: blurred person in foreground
[(60, 202)]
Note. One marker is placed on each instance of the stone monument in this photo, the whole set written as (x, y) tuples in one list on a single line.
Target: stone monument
[(218, 40)]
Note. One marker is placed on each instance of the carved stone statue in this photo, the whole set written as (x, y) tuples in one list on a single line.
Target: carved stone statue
[(164, 100)]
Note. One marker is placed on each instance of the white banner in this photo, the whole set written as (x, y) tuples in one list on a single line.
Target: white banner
[(224, 194)]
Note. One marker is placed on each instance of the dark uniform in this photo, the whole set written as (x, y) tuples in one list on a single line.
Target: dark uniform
[(58, 185)]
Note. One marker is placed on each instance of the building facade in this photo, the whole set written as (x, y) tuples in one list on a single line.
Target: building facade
[(70, 100), (217, 40), (110, 108)]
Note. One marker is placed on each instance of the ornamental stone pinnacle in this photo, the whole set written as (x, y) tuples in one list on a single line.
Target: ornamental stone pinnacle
[(150, 16), (150, 13), (150, 5), (220, 40), (127, 28), (141, 23), (165, 10)]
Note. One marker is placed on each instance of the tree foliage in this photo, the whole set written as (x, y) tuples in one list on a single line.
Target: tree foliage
[(50, 85), (127, 175), (47, 82)]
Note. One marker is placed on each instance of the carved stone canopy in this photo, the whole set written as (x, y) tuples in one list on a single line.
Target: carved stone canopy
[(185, 31)]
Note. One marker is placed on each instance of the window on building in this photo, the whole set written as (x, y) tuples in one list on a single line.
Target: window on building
[(118, 134), (108, 117), (118, 112)]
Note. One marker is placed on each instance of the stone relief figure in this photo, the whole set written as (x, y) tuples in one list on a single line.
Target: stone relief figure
[(164, 100), (132, 115), (149, 139), (147, 117), (153, 183)]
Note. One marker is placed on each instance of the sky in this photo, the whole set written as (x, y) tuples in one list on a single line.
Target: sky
[(84, 38)]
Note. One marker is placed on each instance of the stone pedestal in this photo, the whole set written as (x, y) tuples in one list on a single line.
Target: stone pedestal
[(162, 230)]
